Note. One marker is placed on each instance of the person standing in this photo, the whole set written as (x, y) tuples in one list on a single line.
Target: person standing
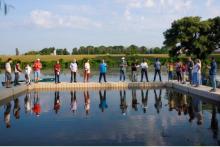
[(178, 70), (28, 74), (86, 71), (170, 70), (73, 68), (37, 67), (134, 67), (123, 66), (212, 73), (103, 70), (144, 67), (57, 69), (196, 72), (157, 66), (17, 73), (190, 66), (183, 73), (8, 76)]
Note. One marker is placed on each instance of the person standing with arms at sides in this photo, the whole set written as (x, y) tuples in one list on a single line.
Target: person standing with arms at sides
[(103, 70), (170, 68), (8, 76), (57, 69), (73, 68), (144, 67), (28, 74), (37, 67), (178, 70), (190, 66), (157, 66), (86, 71), (134, 67), (212, 73), (123, 66), (196, 72), (183, 73), (17, 73)]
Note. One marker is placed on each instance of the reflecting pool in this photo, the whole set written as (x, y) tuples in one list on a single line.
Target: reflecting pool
[(109, 117)]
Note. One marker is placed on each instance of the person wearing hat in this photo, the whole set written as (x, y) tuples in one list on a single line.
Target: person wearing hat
[(123, 66), (37, 67)]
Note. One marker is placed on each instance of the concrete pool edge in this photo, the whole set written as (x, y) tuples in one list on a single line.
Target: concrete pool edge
[(202, 91)]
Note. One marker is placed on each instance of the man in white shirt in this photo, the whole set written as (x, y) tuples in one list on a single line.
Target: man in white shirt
[(144, 67), (8, 76), (73, 68)]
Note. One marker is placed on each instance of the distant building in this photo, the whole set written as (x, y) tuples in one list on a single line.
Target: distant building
[(54, 52)]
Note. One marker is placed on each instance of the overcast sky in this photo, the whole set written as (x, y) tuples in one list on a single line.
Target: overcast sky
[(36, 24)]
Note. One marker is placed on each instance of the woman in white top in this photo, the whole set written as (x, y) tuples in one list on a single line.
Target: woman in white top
[(197, 72), (28, 74), (86, 71), (144, 67)]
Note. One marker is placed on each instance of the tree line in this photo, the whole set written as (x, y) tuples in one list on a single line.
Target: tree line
[(130, 50)]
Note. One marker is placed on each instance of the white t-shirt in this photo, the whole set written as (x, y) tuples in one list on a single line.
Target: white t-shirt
[(28, 70), (73, 67), (197, 68), (87, 67), (144, 65), (8, 67)]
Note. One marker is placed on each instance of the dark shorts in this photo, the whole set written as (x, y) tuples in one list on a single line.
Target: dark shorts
[(8, 76)]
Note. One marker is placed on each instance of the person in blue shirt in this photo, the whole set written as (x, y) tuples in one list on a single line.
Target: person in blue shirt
[(103, 70), (103, 104), (157, 66), (212, 73)]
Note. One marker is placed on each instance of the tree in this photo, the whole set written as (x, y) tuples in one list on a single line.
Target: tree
[(132, 49), (17, 52), (74, 51), (191, 36), (47, 51)]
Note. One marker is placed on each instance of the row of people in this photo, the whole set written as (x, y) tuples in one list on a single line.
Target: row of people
[(190, 68)]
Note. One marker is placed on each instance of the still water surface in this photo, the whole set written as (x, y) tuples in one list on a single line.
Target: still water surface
[(112, 117)]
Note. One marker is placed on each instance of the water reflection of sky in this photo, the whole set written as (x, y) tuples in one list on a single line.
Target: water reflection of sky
[(116, 119)]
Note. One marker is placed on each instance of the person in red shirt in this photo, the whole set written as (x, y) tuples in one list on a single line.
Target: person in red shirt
[(57, 103), (37, 108), (37, 67), (57, 69)]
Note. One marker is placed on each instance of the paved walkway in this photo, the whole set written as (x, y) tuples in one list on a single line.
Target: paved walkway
[(202, 91)]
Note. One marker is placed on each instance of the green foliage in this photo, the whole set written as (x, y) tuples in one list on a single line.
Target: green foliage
[(192, 36)]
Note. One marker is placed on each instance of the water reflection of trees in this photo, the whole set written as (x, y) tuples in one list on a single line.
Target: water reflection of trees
[(193, 106)]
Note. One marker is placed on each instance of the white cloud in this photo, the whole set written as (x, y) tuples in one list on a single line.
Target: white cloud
[(46, 19), (149, 3)]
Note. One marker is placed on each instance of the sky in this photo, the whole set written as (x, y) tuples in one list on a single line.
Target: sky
[(37, 24)]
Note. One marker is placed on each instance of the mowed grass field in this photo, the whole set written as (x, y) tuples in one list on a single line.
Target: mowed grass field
[(31, 58)]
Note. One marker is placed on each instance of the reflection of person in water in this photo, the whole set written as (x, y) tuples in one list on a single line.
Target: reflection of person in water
[(214, 122), (16, 110), (27, 103), (57, 102), (37, 108), (134, 99), (144, 100), (103, 105), (73, 101), (170, 95), (197, 106), (87, 102), (191, 110), (123, 104), (7, 115), (158, 102)]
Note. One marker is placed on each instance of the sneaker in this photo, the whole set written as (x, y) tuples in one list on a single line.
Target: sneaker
[(212, 90)]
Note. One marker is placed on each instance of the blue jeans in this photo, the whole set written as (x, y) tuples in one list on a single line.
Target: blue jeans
[(213, 81), (170, 75), (122, 75), (37, 74)]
